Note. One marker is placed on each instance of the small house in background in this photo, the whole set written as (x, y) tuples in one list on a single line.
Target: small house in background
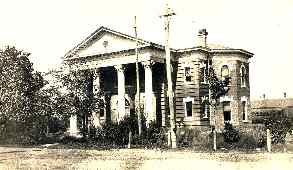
[(260, 108), (110, 56)]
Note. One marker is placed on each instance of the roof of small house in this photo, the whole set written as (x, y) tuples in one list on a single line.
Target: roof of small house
[(272, 103)]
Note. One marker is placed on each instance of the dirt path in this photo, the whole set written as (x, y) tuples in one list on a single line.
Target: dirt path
[(34, 158)]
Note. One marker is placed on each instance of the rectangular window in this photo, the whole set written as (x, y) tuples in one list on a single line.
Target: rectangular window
[(206, 110), (243, 107), (187, 74), (227, 111), (102, 112), (205, 106), (203, 72), (227, 116), (188, 107), (243, 76)]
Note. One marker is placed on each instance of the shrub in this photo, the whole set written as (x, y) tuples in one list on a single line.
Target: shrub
[(113, 133), (193, 137), (247, 141), (279, 123), (154, 136), (230, 134)]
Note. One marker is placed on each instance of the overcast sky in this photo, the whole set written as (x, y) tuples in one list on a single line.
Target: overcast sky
[(49, 28)]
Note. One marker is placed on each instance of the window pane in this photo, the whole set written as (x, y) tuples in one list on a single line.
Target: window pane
[(226, 106), (243, 105), (202, 74), (102, 113), (227, 116), (225, 72), (243, 71), (188, 108), (243, 74), (187, 74), (227, 111), (206, 109)]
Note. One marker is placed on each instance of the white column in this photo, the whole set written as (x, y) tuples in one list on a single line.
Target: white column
[(96, 91), (121, 91), (73, 125), (149, 95)]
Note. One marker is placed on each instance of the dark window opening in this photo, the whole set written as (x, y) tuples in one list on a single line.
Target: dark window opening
[(227, 116), (102, 112), (227, 111), (187, 74), (188, 106), (243, 103), (243, 75)]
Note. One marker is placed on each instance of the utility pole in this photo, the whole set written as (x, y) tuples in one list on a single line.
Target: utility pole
[(137, 80), (167, 15)]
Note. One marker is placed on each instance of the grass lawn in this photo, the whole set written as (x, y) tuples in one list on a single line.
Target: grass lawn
[(42, 158)]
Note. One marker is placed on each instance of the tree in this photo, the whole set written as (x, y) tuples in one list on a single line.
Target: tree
[(217, 88), (19, 85), (77, 95)]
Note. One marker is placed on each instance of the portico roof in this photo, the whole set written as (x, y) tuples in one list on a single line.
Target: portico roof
[(83, 44)]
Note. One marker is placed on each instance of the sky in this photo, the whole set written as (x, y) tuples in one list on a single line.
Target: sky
[(49, 28)]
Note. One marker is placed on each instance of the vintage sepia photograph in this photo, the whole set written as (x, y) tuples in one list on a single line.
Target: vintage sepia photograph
[(146, 84)]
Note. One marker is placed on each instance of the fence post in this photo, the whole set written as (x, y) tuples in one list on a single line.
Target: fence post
[(269, 141), (169, 138), (129, 139), (215, 139)]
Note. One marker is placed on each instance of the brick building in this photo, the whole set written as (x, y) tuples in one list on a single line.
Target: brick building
[(110, 55)]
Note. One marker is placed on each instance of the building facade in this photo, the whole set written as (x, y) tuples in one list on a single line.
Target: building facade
[(111, 57)]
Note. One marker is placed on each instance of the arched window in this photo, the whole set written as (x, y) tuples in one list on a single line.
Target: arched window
[(244, 108), (225, 72), (243, 76)]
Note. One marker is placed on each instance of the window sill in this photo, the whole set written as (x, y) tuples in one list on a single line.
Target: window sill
[(190, 118), (187, 82), (204, 83), (205, 117), (243, 86), (245, 121)]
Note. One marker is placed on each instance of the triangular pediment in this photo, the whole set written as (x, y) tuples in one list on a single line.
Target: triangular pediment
[(105, 40)]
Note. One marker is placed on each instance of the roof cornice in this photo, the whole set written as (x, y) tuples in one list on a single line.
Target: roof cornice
[(229, 51), (71, 52), (201, 49)]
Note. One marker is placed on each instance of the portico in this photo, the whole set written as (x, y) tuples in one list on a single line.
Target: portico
[(114, 76)]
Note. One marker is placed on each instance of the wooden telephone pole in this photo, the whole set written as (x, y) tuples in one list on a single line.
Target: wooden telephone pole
[(167, 15), (138, 111)]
